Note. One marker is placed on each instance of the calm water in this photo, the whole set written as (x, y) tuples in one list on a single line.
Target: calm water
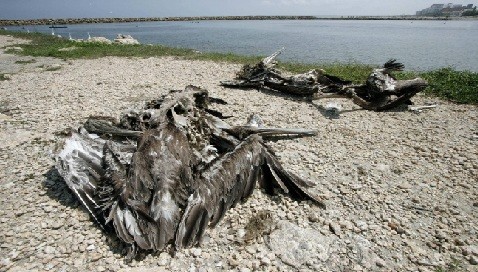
[(420, 45)]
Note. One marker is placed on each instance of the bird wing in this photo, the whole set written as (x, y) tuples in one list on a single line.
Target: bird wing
[(230, 179), (80, 165), (393, 65)]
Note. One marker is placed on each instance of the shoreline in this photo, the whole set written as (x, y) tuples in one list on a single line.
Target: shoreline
[(447, 83), (72, 21), (396, 183)]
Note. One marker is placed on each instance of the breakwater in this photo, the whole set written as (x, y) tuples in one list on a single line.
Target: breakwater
[(72, 21)]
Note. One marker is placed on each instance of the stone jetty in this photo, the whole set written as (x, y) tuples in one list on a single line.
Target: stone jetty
[(72, 21)]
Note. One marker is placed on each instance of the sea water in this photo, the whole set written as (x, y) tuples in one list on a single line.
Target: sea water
[(420, 45)]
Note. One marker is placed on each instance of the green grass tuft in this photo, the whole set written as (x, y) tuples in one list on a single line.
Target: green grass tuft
[(455, 265), (3, 77), (25, 61), (458, 86)]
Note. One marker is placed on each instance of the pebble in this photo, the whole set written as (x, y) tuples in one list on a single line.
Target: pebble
[(313, 218), (380, 263), (265, 261), (49, 250), (56, 225), (405, 186), (196, 252), (5, 262)]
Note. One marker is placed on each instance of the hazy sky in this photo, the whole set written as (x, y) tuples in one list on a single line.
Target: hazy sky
[(28, 9)]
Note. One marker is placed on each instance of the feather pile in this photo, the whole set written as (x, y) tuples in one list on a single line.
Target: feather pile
[(165, 173)]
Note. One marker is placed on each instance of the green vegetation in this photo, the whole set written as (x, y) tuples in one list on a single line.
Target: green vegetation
[(473, 12), (48, 46), (3, 77), (25, 61), (52, 68), (458, 86), (454, 266)]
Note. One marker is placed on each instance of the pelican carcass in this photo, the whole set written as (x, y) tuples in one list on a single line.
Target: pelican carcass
[(381, 91), (164, 173)]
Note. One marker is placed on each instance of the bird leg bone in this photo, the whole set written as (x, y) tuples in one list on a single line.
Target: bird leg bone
[(255, 125), (270, 60), (420, 108)]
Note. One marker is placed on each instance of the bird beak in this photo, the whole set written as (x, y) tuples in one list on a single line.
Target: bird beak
[(243, 131), (284, 131)]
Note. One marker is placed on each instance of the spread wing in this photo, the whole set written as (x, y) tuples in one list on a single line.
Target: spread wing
[(80, 165), (94, 169), (231, 179)]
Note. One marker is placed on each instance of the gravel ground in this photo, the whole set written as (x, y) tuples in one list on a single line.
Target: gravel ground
[(400, 187)]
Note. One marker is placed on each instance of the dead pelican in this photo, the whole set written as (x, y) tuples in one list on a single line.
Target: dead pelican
[(164, 173), (381, 91)]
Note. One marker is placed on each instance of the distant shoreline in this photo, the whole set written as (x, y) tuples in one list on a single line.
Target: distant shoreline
[(71, 21)]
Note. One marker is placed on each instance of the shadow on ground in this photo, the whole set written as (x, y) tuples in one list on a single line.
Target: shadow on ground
[(56, 188)]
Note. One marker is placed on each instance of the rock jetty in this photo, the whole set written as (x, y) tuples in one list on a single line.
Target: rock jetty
[(72, 21)]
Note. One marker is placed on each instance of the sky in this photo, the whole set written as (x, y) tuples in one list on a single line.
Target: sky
[(35, 9)]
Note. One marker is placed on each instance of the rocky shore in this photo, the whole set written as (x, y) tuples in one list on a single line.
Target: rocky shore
[(401, 188)]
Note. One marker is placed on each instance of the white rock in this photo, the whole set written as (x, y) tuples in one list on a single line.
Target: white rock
[(125, 39), (196, 252), (49, 250), (99, 40)]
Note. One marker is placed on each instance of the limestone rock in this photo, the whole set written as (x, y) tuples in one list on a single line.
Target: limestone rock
[(125, 39), (295, 245), (99, 40)]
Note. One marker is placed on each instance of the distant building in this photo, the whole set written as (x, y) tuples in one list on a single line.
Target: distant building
[(449, 9), (434, 10)]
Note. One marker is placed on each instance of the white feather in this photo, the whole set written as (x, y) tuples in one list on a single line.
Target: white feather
[(166, 209), (130, 223)]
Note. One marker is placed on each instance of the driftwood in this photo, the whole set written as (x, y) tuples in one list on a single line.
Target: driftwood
[(164, 173), (381, 91)]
